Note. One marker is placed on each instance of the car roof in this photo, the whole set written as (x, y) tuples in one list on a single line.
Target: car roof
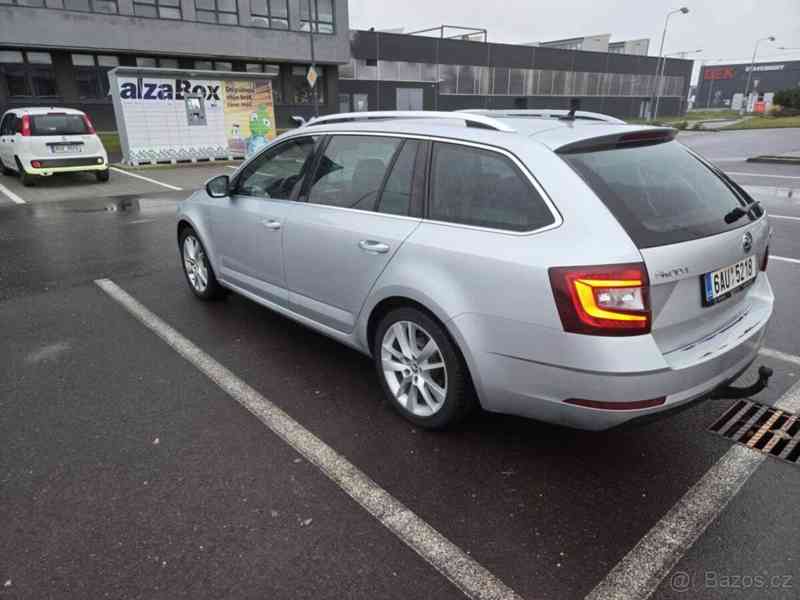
[(43, 110), (552, 133)]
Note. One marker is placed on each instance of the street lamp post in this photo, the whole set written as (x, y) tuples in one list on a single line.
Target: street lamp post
[(746, 94), (659, 64), (314, 92)]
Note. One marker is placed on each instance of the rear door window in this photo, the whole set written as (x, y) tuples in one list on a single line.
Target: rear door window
[(660, 193), (58, 125), (351, 170), (480, 187)]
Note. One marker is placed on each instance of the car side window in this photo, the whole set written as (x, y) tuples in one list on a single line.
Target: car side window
[(279, 171), (351, 170), (396, 195), (480, 187)]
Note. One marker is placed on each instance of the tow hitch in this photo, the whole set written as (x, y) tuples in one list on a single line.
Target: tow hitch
[(734, 393)]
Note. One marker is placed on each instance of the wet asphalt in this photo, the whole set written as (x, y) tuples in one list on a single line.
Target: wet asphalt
[(126, 473)]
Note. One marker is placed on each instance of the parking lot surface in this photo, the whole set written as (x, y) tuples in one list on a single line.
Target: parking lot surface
[(128, 472)]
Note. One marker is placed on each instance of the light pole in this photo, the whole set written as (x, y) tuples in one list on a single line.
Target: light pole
[(743, 108), (659, 64), (311, 23)]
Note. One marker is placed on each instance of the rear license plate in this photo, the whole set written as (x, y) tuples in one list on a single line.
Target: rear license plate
[(723, 283), (66, 148)]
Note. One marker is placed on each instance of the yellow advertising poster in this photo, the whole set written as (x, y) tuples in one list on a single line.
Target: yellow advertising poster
[(249, 115)]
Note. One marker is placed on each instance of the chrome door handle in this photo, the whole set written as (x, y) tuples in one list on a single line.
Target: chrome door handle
[(271, 224), (373, 247)]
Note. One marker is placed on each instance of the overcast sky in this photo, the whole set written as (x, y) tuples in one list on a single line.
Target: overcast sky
[(724, 29)]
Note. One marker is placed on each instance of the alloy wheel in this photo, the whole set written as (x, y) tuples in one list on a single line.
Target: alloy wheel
[(194, 263), (414, 368)]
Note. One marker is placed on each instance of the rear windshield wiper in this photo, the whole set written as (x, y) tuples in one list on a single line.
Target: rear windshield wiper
[(738, 212)]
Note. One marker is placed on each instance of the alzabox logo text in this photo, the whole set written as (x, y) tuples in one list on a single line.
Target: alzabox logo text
[(159, 90)]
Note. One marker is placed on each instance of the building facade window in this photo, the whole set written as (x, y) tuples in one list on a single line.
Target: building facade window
[(301, 92), (270, 13), (157, 9), (321, 17), (30, 3), (223, 12), (98, 6), (28, 74), (274, 72), (91, 73)]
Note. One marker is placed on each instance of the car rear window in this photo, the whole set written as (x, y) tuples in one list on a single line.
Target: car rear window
[(660, 193), (58, 125)]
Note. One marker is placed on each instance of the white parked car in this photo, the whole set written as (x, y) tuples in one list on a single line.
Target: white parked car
[(47, 140)]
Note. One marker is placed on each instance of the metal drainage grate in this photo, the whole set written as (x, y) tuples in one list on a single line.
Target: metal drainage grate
[(761, 427)]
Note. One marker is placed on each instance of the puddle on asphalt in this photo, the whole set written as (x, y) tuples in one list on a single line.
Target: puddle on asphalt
[(120, 205)]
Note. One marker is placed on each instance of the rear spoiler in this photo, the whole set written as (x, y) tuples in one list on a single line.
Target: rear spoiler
[(640, 137)]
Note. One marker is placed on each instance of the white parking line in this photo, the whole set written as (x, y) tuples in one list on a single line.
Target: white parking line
[(772, 216), (785, 259), (137, 176), (234, 167), (641, 571), (447, 558), (762, 175), (11, 195)]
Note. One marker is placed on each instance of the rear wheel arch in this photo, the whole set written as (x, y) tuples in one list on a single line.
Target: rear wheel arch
[(390, 303)]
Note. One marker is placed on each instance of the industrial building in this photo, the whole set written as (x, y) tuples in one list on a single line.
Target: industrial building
[(58, 52), (723, 86), (600, 43), (390, 71)]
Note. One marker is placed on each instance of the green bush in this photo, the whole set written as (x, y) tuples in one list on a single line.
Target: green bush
[(681, 125), (788, 99)]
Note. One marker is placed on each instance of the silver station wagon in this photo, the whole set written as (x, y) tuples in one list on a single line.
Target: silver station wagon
[(563, 267)]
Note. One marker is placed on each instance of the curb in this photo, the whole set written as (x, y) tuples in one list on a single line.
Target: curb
[(778, 160)]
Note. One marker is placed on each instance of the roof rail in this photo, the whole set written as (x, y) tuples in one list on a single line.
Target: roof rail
[(547, 113), (480, 120)]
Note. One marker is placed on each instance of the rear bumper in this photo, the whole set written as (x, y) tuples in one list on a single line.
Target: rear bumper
[(51, 166), (538, 389)]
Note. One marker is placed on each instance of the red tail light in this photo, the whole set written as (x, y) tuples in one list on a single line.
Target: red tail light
[(766, 259), (89, 125), (603, 300), (36, 164), (26, 125)]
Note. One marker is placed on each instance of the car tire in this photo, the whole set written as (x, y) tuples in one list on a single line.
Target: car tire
[(103, 176), (433, 397), (197, 268), (5, 169)]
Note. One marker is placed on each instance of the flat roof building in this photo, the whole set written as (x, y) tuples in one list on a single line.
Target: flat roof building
[(599, 43), (391, 71), (722, 86), (58, 52)]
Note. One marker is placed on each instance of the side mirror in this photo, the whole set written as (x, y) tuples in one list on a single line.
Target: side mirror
[(300, 121), (219, 186)]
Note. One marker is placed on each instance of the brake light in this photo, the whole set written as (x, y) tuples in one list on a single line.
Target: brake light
[(26, 126), (766, 259), (603, 300), (36, 164), (89, 125)]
